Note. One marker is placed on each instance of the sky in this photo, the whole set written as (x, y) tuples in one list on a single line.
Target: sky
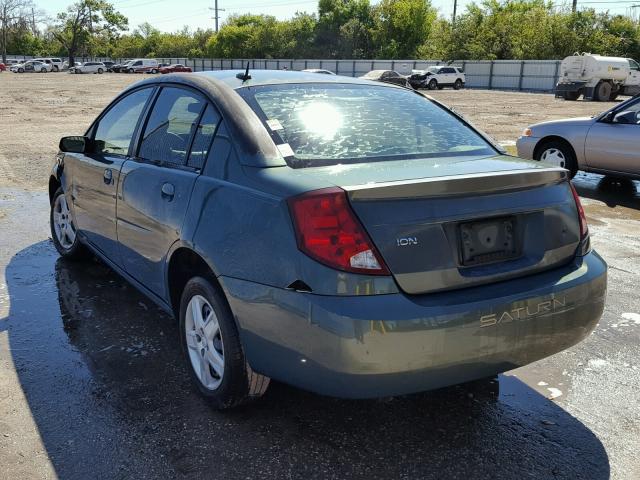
[(171, 15)]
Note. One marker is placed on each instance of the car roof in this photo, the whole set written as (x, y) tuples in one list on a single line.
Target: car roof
[(278, 77)]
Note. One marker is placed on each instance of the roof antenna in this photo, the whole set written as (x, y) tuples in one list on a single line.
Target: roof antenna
[(244, 76)]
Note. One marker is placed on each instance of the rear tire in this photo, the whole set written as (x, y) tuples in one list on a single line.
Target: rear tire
[(212, 348), (558, 153), (63, 229), (603, 91), (457, 84), (433, 84)]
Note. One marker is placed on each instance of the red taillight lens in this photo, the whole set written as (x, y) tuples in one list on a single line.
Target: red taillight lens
[(328, 231), (584, 229)]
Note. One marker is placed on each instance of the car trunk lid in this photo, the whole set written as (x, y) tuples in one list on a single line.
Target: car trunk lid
[(445, 228)]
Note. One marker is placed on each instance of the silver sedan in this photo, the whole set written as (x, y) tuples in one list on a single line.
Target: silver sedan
[(608, 143)]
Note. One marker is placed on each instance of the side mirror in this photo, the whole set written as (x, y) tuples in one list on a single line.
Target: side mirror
[(626, 117), (74, 144), (608, 118)]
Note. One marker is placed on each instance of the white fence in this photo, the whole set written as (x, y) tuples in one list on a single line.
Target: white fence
[(530, 75)]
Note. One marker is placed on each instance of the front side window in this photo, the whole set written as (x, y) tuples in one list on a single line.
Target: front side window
[(115, 129), (171, 125), (633, 64), (321, 124)]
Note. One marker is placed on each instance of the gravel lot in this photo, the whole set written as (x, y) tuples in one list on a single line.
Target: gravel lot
[(92, 384), (38, 109)]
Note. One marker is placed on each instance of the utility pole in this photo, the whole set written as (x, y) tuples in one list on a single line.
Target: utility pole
[(455, 10), (575, 6), (216, 15)]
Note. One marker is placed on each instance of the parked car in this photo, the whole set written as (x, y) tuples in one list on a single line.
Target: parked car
[(119, 67), (318, 70), (141, 65), (3, 67), (438, 77), (65, 65), (387, 76), (56, 63), (607, 143), (89, 67), (176, 67), (348, 237), (31, 66)]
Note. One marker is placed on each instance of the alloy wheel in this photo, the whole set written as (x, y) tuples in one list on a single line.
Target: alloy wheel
[(63, 225), (204, 342)]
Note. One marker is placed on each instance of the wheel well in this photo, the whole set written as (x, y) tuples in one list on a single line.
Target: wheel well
[(54, 185), (183, 266), (552, 138)]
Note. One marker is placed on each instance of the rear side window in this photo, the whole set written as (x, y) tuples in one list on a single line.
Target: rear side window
[(204, 137), (115, 129), (171, 126)]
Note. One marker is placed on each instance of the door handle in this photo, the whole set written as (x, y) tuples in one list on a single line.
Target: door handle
[(108, 176), (168, 190)]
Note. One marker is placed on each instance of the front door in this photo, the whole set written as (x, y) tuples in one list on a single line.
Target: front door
[(155, 187), (94, 175), (615, 145)]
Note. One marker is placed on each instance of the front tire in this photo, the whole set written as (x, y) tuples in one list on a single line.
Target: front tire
[(63, 229), (603, 91), (100, 71), (457, 84), (558, 154), (212, 348), (433, 84)]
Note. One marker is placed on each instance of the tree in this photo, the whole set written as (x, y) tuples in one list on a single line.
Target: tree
[(402, 26), (11, 11), (83, 21)]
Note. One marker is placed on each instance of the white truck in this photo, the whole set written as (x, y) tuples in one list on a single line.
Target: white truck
[(597, 78)]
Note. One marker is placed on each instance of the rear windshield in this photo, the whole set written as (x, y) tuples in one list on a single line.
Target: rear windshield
[(330, 124)]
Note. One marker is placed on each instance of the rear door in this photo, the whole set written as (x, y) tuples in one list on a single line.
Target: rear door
[(614, 145), (155, 187), (95, 175)]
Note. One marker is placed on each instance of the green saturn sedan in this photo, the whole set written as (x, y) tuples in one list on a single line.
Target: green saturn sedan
[(348, 237)]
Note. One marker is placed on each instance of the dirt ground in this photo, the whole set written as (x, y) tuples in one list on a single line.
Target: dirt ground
[(49, 106)]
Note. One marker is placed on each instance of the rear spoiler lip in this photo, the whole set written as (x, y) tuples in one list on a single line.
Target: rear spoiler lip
[(454, 185)]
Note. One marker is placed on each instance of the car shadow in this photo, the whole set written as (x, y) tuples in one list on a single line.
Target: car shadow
[(106, 386), (613, 191)]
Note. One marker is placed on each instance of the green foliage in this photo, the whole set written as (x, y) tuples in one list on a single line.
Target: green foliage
[(345, 29)]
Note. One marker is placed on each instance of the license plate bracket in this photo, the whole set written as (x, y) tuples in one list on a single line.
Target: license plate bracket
[(488, 241)]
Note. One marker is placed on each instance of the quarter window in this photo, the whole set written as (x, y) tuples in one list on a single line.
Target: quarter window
[(115, 129), (204, 137), (171, 126)]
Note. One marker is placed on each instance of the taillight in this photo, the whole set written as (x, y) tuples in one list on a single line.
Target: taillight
[(584, 229), (328, 231)]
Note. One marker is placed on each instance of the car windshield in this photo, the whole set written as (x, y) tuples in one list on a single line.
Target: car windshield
[(327, 124), (433, 69)]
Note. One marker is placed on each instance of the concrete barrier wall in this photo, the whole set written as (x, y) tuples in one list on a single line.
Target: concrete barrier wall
[(529, 75)]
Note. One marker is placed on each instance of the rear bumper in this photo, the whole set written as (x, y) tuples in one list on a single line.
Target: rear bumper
[(380, 345)]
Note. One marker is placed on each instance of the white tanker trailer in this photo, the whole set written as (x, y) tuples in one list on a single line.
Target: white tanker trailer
[(597, 78)]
